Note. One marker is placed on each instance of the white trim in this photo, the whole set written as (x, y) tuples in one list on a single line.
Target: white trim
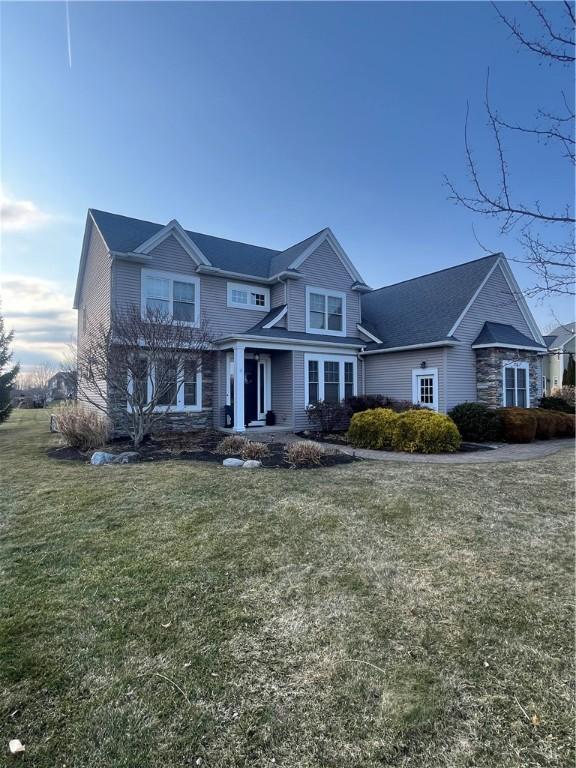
[(428, 373), (447, 343), (173, 277), (508, 346), (327, 234), (521, 301), (175, 229), (367, 333), (291, 345), (179, 407), (248, 288), (322, 358), (276, 319), (516, 365), (326, 292), (473, 299)]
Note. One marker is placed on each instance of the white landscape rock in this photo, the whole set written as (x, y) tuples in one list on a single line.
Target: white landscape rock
[(232, 463), (101, 457), (128, 457), (251, 464), (15, 746)]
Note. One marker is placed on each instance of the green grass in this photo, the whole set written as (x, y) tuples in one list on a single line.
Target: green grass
[(375, 614)]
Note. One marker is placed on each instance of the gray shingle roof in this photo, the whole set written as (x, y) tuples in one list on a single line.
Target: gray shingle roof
[(268, 318), (560, 335), (124, 234), (282, 333), (423, 310), (499, 333)]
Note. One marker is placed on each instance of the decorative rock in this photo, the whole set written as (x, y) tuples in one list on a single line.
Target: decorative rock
[(232, 463), (101, 457), (15, 746), (251, 464), (128, 457)]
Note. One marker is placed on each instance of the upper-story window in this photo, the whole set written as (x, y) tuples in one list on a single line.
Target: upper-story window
[(325, 311), (248, 296), (173, 295)]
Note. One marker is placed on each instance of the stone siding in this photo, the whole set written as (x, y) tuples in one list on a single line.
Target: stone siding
[(489, 376)]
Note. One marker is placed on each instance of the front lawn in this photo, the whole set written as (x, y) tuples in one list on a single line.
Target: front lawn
[(368, 615)]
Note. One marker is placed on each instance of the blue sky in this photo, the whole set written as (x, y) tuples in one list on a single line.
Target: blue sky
[(261, 122)]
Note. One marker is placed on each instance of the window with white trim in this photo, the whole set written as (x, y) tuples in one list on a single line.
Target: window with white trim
[(516, 385), (248, 296), (181, 384), (325, 311), (330, 378), (172, 295)]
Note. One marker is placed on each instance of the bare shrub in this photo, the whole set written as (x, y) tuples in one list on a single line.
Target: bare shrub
[(232, 445), (82, 428), (304, 453), (253, 450)]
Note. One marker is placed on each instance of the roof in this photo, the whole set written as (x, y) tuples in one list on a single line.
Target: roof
[(268, 318), (282, 333), (425, 309), (493, 334), (560, 335)]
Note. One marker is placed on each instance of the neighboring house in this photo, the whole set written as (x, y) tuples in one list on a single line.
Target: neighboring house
[(561, 343), (61, 386), (301, 325)]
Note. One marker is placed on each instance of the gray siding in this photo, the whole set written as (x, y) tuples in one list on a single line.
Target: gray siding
[(391, 373), (169, 256), (322, 269), (94, 298), (495, 303), (282, 388)]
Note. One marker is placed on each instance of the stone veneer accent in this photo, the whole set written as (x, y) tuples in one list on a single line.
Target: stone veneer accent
[(489, 376)]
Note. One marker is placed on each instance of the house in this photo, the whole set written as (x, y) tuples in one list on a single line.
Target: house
[(561, 343), (61, 386), (300, 324)]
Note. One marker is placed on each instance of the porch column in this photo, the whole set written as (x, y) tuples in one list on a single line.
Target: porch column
[(239, 388)]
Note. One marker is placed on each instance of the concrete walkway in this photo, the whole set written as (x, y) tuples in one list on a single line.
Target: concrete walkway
[(502, 453)]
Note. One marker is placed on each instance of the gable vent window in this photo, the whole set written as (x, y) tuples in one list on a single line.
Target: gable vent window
[(248, 296), (174, 296), (516, 392), (325, 311)]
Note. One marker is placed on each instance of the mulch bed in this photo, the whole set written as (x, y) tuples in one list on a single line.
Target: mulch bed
[(339, 438), (194, 446)]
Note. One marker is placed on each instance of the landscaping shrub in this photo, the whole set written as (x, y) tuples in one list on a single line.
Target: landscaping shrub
[(477, 422), (231, 445), (328, 416), (519, 424), (548, 424), (304, 453), (373, 428), (424, 431), (360, 403), (558, 402), (567, 424), (82, 428), (254, 450)]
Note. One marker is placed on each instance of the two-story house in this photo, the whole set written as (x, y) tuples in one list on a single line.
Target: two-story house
[(301, 325)]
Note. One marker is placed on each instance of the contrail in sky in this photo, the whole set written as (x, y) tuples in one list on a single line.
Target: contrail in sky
[(68, 34)]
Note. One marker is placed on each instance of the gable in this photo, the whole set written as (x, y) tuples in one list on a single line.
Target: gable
[(338, 254), (495, 302), (324, 269)]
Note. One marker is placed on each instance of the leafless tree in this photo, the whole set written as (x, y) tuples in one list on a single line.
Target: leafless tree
[(135, 370), (36, 379), (545, 234)]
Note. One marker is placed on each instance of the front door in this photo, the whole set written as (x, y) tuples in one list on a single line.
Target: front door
[(250, 390)]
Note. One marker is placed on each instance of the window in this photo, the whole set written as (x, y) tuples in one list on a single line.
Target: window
[(516, 392), (248, 296), (329, 377), (176, 387), (325, 311), (175, 296)]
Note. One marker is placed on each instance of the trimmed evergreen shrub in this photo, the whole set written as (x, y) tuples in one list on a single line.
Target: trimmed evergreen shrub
[(549, 424), (360, 403), (425, 431), (519, 424), (567, 424), (373, 428), (477, 422), (555, 403), (328, 416)]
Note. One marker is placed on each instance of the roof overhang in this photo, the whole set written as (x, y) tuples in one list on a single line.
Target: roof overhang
[(279, 342), (90, 222), (209, 270), (371, 336), (499, 345), (430, 344), (276, 319)]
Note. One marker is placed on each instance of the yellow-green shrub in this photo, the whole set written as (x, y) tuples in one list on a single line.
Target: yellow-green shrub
[(425, 431), (372, 429)]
